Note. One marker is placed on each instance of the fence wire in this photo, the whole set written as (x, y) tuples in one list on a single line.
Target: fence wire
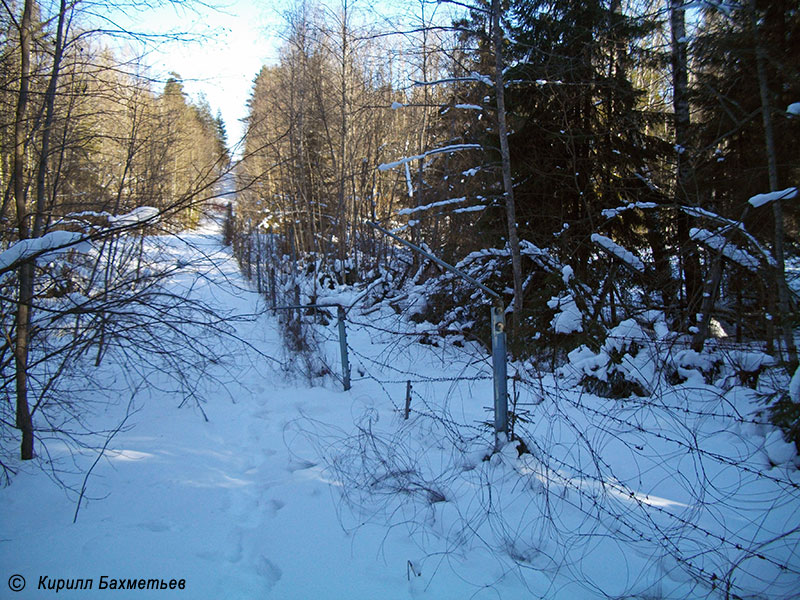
[(675, 485)]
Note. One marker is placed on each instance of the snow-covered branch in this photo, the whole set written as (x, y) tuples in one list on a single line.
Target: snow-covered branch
[(443, 150), (59, 241), (51, 243), (409, 211), (721, 244), (761, 199), (471, 77), (626, 256)]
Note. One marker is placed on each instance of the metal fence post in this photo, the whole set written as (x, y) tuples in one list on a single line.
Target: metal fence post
[(343, 349), (498, 334), (258, 262), (272, 292), (500, 369)]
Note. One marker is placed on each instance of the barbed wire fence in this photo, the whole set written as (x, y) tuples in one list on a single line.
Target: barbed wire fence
[(672, 486)]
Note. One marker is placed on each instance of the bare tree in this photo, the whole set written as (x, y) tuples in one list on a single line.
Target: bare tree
[(777, 210), (508, 183), (25, 285), (61, 131)]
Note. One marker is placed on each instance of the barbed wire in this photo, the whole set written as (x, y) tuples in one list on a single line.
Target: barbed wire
[(604, 482), (693, 448), (563, 464)]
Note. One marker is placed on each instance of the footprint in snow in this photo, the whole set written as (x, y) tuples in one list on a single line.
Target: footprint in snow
[(255, 431), (269, 571), (275, 505), (154, 526), (300, 465), (233, 553)]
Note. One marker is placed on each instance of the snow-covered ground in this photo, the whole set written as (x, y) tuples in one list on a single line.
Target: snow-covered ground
[(239, 506), (294, 491)]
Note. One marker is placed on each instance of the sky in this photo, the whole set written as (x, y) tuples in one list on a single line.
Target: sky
[(232, 40), (221, 45)]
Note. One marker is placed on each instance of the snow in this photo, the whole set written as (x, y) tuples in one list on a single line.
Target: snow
[(696, 211), (749, 361), (794, 386), (794, 109), (568, 319), (340, 296), (610, 213), (136, 216), (628, 344), (623, 334), (482, 78), (719, 243), (629, 258), (295, 491), (566, 274), (471, 77), (49, 244), (468, 209), (469, 106), (425, 207), (762, 199), (239, 506), (396, 105), (443, 150), (703, 213), (778, 450)]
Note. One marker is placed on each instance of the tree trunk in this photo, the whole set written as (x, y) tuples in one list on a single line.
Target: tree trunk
[(662, 272), (343, 151), (784, 324), (508, 184), (690, 260), (24, 421), (50, 101), (709, 299)]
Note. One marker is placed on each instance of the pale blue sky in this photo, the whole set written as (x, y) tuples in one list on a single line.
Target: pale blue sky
[(234, 39)]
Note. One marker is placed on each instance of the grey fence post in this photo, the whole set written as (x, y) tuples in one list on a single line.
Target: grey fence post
[(498, 335), (343, 349), (500, 369), (258, 261), (272, 292)]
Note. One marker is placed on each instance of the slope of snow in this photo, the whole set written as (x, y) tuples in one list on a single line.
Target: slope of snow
[(239, 506), (296, 492)]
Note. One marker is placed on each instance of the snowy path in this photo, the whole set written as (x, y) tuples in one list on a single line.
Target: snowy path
[(637, 498), (236, 506)]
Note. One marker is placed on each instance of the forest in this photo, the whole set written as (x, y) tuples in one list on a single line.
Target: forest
[(590, 161), (90, 157), (646, 149)]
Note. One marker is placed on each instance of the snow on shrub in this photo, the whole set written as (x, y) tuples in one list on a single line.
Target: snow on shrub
[(692, 367), (747, 365), (778, 450), (624, 365), (794, 387), (626, 256), (568, 319)]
